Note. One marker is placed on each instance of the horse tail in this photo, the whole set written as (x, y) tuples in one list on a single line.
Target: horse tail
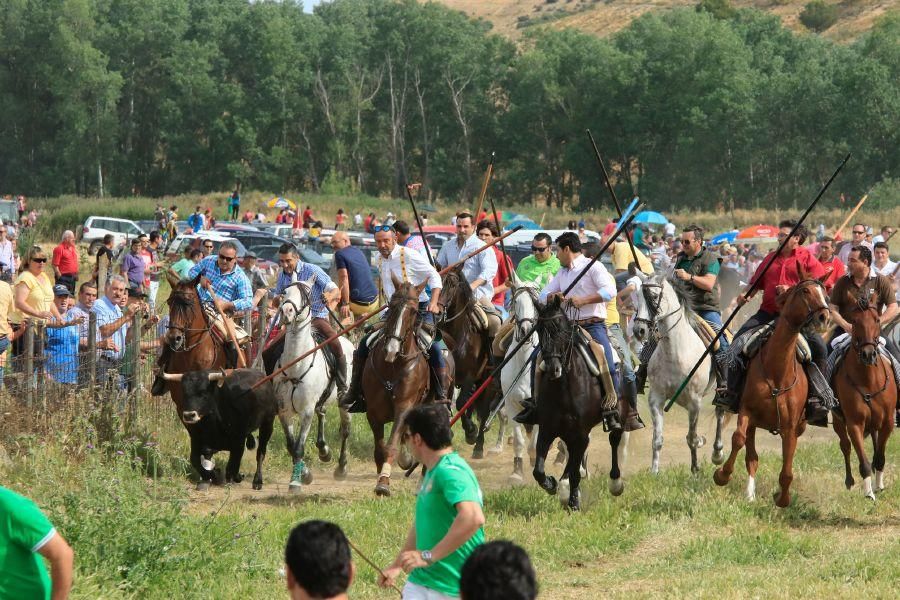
[(251, 443)]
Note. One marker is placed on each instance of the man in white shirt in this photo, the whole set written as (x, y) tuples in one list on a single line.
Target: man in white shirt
[(403, 264), (886, 232), (883, 265), (480, 270), (858, 238)]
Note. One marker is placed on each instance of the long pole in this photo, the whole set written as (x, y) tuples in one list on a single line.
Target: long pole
[(419, 224), (371, 564), (622, 227), (893, 233), (615, 199), (756, 280), (851, 215), (484, 187), (499, 230), (370, 314)]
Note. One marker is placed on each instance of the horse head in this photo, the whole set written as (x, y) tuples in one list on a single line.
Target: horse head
[(523, 305), (866, 327), (805, 303), (455, 291), (403, 310), (185, 313), (555, 333), (647, 307), (296, 303)]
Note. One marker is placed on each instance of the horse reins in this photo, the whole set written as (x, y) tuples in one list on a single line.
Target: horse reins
[(185, 306), (653, 310)]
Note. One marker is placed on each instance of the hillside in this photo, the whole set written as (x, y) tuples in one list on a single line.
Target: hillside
[(605, 17)]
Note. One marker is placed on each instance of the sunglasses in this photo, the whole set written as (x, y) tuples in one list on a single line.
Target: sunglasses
[(859, 232), (39, 260), (536, 249), (226, 258), (208, 246), (379, 228)]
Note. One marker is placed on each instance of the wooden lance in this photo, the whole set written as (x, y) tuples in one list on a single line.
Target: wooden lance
[(484, 186), (851, 215), (419, 224)]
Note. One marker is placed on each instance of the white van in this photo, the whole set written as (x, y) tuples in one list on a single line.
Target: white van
[(96, 228)]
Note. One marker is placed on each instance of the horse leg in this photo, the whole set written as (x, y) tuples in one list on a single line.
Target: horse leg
[(878, 459), (840, 428), (656, 416), (321, 444), (618, 442), (788, 448), (482, 408), (694, 441), (577, 446), (751, 459), (723, 474), (265, 434), (468, 424), (340, 472), (288, 429), (383, 486), (547, 483), (518, 474), (501, 433), (718, 456), (857, 438)]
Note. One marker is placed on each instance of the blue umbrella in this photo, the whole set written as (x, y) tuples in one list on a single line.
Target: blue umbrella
[(525, 223), (728, 237), (651, 217)]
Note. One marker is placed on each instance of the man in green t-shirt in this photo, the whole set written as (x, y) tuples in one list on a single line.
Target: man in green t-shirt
[(24, 533), (449, 520), (542, 265), (182, 267)]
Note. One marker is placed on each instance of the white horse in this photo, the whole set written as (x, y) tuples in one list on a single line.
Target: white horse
[(515, 378), (304, 387), (660, 306)]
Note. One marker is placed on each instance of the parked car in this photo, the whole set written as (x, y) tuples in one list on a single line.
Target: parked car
[(148, 225), (95, 228), (234, 227), (176, 249), (9, 211), (269, 253), (257, 238)]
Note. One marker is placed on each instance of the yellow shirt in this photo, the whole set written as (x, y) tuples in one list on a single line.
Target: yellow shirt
[(622, 257), (7, 307), (40, 296)]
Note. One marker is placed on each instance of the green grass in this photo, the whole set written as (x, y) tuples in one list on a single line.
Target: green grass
[(675, 534)]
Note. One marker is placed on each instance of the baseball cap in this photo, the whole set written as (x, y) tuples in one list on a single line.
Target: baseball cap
[(61, 290)]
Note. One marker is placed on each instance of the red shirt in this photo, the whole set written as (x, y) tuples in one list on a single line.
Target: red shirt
[(504, 271), (784, 271), (65, 258), (307, 217), (837, 271)]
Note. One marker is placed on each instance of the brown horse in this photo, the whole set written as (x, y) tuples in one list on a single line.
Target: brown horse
[(471, 350), (775, 394), (867, 392), (394, 379)]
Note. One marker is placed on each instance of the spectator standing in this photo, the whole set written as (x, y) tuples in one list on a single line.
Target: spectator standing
[(622, 257), (195, 221), (405, 237), (112, 328), (498, 569), (248, 216), (369, 223), (65, 261), (354, 278), (832, 264), (61, 346), (171, 230), (105, 259), (318, 562), (886, 232), (209, 221), (487, 233), (258, 279), (858, 238), (207, 247), (234, 206), (154, 266), (357, 220), (308, 218), (389, 219), (20, 205), (33, 299), (191, 257), (7, 307), (883, 264), (340, 220), (26, 533), (7, 255), (133, 265), (87, 295), (449, 520)]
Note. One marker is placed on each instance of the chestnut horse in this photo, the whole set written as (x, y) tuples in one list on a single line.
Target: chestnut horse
[(774, 397), (395, 378), (471, 352), (867, 393)]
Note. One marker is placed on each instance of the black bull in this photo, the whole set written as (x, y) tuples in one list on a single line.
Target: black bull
[(221, 411)]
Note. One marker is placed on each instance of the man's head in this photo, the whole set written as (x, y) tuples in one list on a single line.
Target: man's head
[(859, 261), (2, 232), (136, 246), (155, 238), (498, 569), (881, 254), (826, 248), (145, 240), (87, 294), (249, 261), (318, 561), (784, 230), (385, 240), (195, 254), (401, 228), (288, 257), (568, 248), (428, 428), (68, 238), (464, 227), (887, 231), (858, 234), (61, 297), (540, 247), (487, 231), (108, 240), (115, 288), (692, 240), (198, 210), (206, 246), (227, 259), (339, 240)]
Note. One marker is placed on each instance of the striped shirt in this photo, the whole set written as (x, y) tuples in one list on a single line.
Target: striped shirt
[(233, 286), (323, 284)]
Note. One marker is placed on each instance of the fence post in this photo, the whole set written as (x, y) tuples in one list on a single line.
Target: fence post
[(92, 349), (28, 355), (136, 332), (262, 324)]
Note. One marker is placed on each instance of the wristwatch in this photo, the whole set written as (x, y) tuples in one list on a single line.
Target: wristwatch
[(426, 556)]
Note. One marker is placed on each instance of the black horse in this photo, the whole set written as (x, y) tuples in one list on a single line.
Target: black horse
[(569, 403)]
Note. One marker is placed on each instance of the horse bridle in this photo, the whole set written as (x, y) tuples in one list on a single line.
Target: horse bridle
[(653, 311), (187, 307), (389, 335), (307, 300), (811, 312), (443, 305), (523, 320)]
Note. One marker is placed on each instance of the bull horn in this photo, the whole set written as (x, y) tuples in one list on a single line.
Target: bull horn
[(172, 376), (216, 376)]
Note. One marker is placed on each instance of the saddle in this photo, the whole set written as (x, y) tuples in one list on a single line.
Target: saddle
[(595, 359), (485, 319), (842, 343), (751, 341), (707, 333), (218, 330), (503, 339)]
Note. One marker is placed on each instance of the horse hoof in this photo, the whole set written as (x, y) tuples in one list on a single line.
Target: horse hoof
[(257, 484), (325, 455), (340, 473), (781, 502), (562, 491), (720, 478), (237, 478), (383, 487), (496, 450), (718, 457), (471, 438), (550, 485), (574, 504), (203, 486), (295, 487), (871, 496), (616, 486), (306, 476), (404, 460), (477, 453), (516, 479), (848, 483)]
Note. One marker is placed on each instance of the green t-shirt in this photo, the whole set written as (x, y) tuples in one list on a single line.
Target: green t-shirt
[(183, 266), (23, 531), (530, 269), (450, 482)]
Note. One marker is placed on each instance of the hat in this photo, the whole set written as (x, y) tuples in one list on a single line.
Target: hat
[(61, 290)]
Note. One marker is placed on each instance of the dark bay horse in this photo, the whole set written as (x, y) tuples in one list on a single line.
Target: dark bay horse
[(471, 351), (774, 397), (569, 405), (865, 386), (395, 378)]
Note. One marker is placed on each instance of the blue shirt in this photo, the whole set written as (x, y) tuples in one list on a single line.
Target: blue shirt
[(303, 272), (362, 288), (195, 222), (482, 266), (233, 286), (107, 312), (61, 352)]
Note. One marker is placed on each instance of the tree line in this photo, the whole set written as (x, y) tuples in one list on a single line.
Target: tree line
[(690, 107)]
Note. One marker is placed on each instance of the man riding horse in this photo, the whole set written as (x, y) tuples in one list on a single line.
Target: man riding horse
[(697, 272), (780, 277), (587, 301), (231, 287), (406, 265)]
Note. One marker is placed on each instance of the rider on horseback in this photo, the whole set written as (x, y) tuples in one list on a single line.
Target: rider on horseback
[(697, 271), (781, 276), (231, 287), (404, 264), (588, 300)]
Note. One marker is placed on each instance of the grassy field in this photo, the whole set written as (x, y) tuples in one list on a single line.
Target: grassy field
[(139, 530)]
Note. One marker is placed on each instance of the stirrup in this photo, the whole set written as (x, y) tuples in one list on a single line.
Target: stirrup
[(611, 420)]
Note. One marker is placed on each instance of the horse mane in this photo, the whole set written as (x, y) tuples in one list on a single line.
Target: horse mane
[(462, 286), (687, 302), (555, 326)]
